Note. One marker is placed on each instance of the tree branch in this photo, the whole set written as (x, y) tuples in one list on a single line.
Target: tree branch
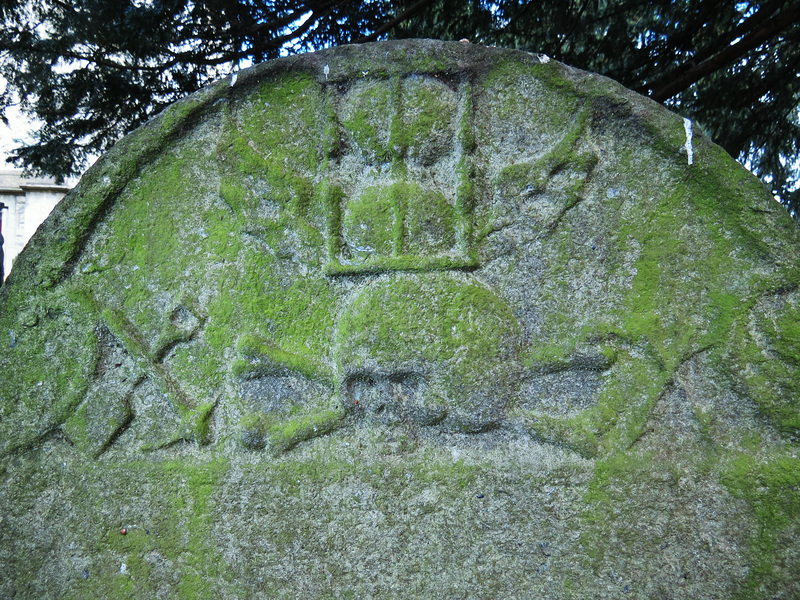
[(405, 15), (668, 86), (679, 39), (273, 25)]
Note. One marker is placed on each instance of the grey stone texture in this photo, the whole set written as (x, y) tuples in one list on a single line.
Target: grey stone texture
[(410, 319)]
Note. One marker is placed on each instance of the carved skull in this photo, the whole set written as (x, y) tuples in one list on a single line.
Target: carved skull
[(428, 349)]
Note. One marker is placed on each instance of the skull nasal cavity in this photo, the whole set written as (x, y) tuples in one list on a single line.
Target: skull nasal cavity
[(377, 392)]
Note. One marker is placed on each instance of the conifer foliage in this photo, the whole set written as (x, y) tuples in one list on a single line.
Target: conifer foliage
[(92, 70)]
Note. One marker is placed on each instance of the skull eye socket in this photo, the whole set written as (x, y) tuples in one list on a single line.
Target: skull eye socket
[(366, 381), (406, 387), (361, 389), (388, 392)]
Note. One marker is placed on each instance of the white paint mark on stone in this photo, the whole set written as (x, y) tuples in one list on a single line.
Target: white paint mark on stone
[(326, 69), (687, 125), (233, 78)]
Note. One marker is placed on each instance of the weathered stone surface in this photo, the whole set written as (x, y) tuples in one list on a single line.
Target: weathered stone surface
[(409, 319)]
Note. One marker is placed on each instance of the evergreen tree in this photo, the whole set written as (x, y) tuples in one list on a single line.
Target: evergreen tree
[(92, 70)]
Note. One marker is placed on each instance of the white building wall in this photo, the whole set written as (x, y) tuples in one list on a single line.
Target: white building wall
[(29, 201)]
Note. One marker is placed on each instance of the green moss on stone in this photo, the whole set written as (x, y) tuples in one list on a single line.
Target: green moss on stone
[(428, 318), (771, 488), (557, 95), (279, 120), (93, 424), (370, 222), (428, 108), (763, 352), (369, 124), (400, 219), (262, 356), (279, 433), (38, 393)]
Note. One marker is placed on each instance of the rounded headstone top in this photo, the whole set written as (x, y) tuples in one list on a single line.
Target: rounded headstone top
[(442, 212), (457, 246)]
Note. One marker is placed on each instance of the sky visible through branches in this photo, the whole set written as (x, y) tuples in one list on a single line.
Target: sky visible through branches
[(88, 71)]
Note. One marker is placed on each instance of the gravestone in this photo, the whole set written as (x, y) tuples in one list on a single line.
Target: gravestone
[(404, 320)]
